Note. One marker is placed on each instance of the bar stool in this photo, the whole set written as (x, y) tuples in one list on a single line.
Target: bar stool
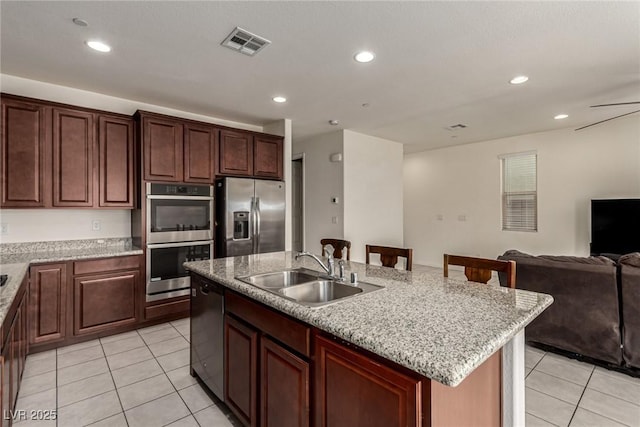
[(389, 255), (338, 246), (479, 269)]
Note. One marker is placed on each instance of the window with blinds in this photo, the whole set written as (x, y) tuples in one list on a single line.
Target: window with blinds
[(519, 192)]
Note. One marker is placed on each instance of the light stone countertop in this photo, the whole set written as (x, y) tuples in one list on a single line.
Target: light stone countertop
[(15, 259), (440, 328)]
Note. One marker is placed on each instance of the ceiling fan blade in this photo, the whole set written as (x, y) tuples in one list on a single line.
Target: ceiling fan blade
[(617, 103), (606, 120)]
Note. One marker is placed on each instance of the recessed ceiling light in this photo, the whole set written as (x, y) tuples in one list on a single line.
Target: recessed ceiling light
[(561, 116), (279, 99), (518, 80), (80, 22), (99, 46), (364, 56)]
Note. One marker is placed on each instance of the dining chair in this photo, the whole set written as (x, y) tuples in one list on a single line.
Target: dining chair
[(389, 255), (479, 269), (338, 246)]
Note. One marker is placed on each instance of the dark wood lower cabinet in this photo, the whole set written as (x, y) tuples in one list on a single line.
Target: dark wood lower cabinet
[(241, 370), (13, 354), (47, 303), (105, 301), (353, 390), (284, 390)]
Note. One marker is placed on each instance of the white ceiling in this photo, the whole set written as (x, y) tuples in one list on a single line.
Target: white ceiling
[(437, 63)]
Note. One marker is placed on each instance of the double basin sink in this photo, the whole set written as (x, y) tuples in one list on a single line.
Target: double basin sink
[(307, 287)]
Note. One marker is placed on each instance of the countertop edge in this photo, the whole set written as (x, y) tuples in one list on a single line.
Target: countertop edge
[(451, 377)]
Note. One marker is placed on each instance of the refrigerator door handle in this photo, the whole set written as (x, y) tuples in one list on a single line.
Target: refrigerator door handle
[(257, 239), (254, 219)]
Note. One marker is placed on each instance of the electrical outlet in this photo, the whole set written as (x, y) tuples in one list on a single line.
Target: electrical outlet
[(95, 225), (4, 229)]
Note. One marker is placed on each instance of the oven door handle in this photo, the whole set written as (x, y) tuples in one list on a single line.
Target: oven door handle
[(158, 197), (179, 245)]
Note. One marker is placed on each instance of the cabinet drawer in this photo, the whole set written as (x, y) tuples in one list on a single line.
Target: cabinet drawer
[(290, 332), (107, 264)]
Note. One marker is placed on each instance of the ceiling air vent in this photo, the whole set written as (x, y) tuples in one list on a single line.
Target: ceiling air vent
[(245, 42)]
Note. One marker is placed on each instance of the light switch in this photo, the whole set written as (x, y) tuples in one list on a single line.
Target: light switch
[(334, 219)]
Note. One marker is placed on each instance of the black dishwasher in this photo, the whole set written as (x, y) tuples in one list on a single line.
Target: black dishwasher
[(207, 333)]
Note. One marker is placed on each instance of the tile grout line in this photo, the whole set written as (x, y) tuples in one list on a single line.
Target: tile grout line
[(115, 388), (173, 385), (541, 419), (581, 396)]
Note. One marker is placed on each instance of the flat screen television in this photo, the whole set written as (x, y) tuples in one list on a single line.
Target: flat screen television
[(615, 226)]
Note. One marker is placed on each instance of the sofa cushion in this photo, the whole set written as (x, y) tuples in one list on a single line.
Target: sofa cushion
[(584, 317), (630, 292), (593, 260)]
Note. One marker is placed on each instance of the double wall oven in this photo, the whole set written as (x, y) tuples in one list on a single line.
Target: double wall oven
[(179, 219)]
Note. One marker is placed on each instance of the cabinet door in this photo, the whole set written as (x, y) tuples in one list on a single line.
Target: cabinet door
[(236, 153), (267, 157), (241, 370), (5, 381), (104, 301), (346, 379), (284, 391), (23, 165), (162, 149), (116, 161), (73, 167), (47, 303), (200, 143)]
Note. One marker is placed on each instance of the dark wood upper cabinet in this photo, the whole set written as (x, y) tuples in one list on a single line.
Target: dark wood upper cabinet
[(200, 152), (162, 148), (267, 157), (345, 378), (236, 153), (73, 158), (116, 161), (23, 171)]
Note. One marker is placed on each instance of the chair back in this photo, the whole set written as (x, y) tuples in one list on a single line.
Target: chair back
[(389, 255), (479, 269), (338, 246)]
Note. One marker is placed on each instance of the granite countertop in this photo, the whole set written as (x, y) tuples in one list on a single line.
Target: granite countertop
[(15, 259), (438, 327)]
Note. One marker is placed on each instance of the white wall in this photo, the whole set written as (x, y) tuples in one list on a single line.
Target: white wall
[(323, 180), (41, 225), (54, 224), (372, 192), (573, 167)]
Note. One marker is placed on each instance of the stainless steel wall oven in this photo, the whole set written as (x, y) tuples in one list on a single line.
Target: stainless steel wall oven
[(179, 229)]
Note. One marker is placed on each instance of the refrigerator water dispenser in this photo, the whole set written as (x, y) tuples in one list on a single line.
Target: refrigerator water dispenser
[(240, 225)]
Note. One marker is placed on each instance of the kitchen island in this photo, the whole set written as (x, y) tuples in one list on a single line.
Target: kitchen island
[(440, 329)]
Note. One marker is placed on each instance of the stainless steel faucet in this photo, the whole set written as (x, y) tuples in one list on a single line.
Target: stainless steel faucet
[(329, 268)]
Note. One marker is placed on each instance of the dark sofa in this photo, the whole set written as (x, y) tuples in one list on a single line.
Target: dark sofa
[(590, 296)]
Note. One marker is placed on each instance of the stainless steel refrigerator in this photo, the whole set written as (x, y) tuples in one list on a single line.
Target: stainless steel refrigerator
[(249, 216)]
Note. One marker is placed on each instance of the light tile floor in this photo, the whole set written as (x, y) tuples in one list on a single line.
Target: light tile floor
[(138, 378), (141, 378)]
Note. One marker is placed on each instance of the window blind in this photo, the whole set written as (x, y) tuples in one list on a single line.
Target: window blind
[(519, 192)]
